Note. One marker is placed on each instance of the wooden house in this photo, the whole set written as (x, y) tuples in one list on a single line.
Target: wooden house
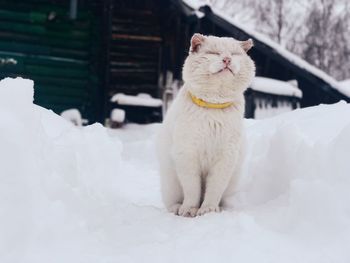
[(60, 51), (82, 52)]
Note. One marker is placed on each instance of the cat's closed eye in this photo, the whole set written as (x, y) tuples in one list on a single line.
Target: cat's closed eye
[(235, 54), (213, 53)]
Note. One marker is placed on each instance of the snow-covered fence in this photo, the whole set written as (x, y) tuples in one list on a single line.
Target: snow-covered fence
[(141, 108), (269, 97)]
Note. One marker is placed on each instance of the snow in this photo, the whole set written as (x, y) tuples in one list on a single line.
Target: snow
[(345, 82), (140, 100), (72, 115), (199, 14), (118, 115), (89, 194), (345, 86), (4, 61), (274, 86), (196, 4)]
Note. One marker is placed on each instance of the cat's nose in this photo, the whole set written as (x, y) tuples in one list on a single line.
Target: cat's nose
[(226, 60)]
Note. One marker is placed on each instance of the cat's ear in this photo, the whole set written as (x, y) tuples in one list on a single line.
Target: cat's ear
[(196, 41), (246, 45)]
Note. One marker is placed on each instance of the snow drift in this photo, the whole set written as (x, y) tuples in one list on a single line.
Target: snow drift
[(70, 194)]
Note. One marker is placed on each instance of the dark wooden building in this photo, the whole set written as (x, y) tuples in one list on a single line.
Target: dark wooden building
[(82, 52), (56, 47)]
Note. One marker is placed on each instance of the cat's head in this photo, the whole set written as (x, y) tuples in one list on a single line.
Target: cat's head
[(218, 68)]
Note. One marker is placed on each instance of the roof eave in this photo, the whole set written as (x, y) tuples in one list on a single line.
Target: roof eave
[(268, 50)]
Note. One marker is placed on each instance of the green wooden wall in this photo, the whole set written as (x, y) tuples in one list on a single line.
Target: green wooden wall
[(39, 41)]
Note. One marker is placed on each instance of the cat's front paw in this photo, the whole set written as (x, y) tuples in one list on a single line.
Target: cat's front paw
[(187, 211), (174, 209), (207, 209)]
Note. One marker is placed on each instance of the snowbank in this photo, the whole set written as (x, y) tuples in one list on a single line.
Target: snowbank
[(72, 115), (274, 86), (72, 194), (57, 182)]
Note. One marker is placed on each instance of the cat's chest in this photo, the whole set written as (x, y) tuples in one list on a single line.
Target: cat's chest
[(207, 135), (215, 140), (215, 131), (207, 131), (212, 132)]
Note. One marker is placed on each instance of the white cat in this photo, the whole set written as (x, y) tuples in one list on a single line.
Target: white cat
[(200, 144)]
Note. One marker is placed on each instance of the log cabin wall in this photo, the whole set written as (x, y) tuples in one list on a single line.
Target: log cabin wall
[(60, 54), (134, 53), (134, 48)]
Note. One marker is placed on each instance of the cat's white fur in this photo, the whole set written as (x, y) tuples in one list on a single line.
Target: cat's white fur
[(200, 150)]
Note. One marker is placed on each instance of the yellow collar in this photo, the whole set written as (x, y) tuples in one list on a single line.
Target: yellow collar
[(209, 105)]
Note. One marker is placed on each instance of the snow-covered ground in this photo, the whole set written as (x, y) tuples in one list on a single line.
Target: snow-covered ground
[(70, 194)]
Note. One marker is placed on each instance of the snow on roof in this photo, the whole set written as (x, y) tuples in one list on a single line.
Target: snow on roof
[(196, 4), (345, 86), (274, 86), (199, 14), (139, 100), (345, 82)]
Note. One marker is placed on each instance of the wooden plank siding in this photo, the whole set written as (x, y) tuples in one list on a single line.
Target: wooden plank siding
[(57, 53), (134, 50)]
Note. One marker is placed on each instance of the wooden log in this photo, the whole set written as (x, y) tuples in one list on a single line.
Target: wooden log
[(137, 37), (135, 30), (133, 71), (42, 40), (134, 79), (133, 64), (131, 22)]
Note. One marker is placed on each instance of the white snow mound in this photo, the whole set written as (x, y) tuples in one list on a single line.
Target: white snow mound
[(73, 115), (71, 194)]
